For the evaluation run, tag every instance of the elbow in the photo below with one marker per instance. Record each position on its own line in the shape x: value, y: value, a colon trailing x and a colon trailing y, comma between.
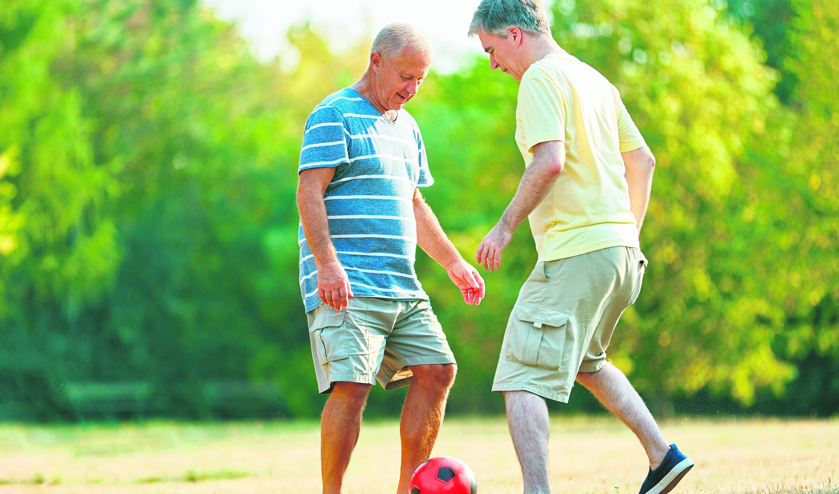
x: 651, y: 162
x: 555, y: 168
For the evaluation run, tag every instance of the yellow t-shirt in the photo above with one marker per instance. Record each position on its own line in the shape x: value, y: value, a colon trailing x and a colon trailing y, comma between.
x: 563, y: 99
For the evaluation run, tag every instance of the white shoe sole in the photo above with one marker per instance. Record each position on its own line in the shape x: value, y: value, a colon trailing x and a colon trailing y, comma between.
x: 672, y: 478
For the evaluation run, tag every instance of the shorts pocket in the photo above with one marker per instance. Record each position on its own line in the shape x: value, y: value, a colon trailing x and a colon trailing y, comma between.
x: 330, y: 335
x: 537, y: 337
x: 639, y: 280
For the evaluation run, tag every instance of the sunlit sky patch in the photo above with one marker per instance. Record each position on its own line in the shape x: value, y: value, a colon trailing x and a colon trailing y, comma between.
x: 264, y: 24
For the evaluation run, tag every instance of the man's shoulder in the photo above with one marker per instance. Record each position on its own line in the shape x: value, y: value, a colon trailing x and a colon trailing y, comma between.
x: 566, y: 72
x: 346, y: 100
x: 550, y: 69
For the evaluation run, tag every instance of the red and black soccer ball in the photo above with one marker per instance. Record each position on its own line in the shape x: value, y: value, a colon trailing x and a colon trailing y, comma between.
x: 443, y: 475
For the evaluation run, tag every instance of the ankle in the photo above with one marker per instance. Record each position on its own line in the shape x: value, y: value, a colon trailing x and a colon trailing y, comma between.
x: 657, y: 455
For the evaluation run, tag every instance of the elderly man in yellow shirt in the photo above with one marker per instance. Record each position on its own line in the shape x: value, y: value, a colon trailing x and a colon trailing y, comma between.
x: 585, y: 190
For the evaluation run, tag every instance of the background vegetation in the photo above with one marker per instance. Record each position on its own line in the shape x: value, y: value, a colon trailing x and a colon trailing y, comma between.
x: 148, y: 222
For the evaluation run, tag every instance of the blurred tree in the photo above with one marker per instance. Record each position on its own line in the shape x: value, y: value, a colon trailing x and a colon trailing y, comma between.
x: 806, y: 173
x: 771, y: 21
x: 148, y: 224
x: 697, y: 89
x: 58, y: 246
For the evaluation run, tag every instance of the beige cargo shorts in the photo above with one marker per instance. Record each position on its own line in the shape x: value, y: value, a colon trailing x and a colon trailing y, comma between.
x: 375, y: 339
x: 564, y: 318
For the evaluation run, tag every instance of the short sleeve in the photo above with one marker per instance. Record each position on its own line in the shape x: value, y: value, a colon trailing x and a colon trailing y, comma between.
x: 542, y: 107
x: 425, y: 178
x: 630, y: 137
x: 324, y: 140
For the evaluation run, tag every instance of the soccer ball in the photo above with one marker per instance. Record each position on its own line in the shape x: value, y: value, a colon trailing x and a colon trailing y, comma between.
x: 443, y: 475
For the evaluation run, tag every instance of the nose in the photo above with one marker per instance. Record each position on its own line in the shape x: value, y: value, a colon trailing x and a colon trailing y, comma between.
x: 413, y: 87
x: 493, y: 62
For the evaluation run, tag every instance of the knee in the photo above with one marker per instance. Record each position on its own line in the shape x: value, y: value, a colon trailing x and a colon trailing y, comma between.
x: 352, y: 396
x: 438, y: 376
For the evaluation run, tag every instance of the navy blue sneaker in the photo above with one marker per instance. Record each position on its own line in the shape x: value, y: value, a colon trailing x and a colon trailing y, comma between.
x: 664, y: 478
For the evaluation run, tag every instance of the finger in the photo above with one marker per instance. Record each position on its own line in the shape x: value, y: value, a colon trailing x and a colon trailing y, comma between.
x: 478, y: 291
x: 327, y: 299
x: 478, y: 252
x: 336, y: 299
x: 342, y: 293
x: 470, y: 278
x: 483, y: 254
x: 497, y: 259
x: 349, y: 288
x: 321, y: 295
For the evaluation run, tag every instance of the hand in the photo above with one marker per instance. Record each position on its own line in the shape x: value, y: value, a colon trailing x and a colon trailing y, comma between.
x: 468, y: 280
x: 334, y: 285
x: 489, y: 252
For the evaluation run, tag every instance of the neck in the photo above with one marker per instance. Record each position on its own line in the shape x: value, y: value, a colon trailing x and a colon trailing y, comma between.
x: 539, y: 47
x: 367, y: 90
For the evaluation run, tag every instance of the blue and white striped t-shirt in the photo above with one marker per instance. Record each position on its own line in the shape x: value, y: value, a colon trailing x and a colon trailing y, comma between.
x: 369, y: 203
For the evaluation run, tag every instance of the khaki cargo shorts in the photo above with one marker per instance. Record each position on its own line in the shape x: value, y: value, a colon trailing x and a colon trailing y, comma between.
x: 375, y: 339
x: 564, y: 318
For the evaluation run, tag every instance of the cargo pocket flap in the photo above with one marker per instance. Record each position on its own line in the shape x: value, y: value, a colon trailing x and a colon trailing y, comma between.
x: 537, y: 338
x: 328, y: 319
x: 329, y: 338
x: 540, y: 316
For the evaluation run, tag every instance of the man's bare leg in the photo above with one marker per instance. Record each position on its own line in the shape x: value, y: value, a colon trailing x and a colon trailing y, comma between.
x: 614, y: 391
x: 339, y: 429
x: 422, y: 416
x: 527, y: 417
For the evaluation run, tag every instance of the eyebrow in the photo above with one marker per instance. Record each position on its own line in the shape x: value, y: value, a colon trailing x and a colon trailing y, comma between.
x: 487, y: 48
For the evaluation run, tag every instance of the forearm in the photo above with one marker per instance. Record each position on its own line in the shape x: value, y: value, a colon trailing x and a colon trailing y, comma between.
x: 640, y: 166
x: 431, y: 237
x: 537, y: 181
x: 316, y: 226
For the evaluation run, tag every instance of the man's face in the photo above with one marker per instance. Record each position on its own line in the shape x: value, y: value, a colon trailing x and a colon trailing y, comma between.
x: 398, y: 78
x: 503, y: 52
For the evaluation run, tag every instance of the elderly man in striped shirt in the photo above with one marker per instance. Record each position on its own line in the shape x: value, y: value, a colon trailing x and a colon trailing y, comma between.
x: 362, y: 215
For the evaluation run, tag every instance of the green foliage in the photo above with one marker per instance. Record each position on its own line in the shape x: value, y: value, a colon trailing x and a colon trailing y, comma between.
x: 148, y: 224
x: 696, y: 87
x: 55, y: 243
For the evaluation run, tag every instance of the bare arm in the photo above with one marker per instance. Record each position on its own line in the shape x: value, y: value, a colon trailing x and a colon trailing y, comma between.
x: 433, y: 240
x: 640, y: 165
x: 333, y: 283
x: 548, y: 162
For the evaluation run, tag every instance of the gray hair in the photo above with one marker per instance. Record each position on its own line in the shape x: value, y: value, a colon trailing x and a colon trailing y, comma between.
x: 394, y: 38
x: 497, y: 16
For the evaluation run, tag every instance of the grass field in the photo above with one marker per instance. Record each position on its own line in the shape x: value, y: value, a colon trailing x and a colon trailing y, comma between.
x: 589, y: 455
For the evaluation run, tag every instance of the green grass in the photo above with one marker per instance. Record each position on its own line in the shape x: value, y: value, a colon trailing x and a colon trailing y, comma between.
x: 191, y: 476
x: 588, y: 455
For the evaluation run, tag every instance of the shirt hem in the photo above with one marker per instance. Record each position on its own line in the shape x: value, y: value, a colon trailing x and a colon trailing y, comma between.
x: 578, y: 251
x: 531, y: 143
x: 632, y: 146
x: 424, y: 296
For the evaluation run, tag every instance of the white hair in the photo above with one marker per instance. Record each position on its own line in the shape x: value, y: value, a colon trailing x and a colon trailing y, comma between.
x: 394, y: 38
x: 495, y: 17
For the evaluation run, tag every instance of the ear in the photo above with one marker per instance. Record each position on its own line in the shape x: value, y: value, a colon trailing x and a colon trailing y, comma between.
x: 375, y: 61
x: 515, y: 35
